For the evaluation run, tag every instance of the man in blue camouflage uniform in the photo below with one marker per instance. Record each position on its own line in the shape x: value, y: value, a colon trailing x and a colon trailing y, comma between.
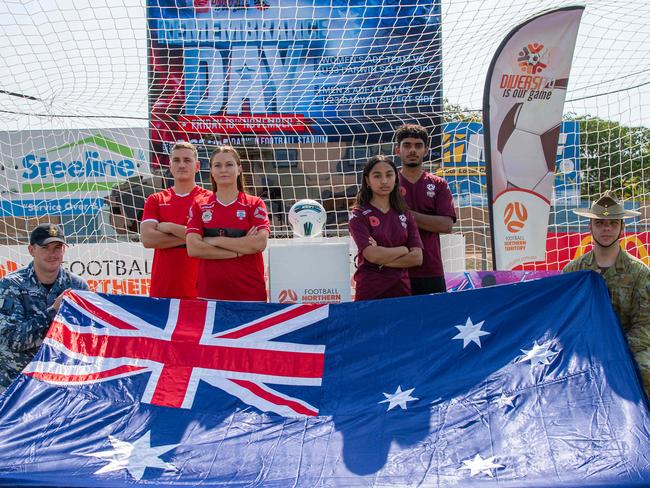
x: 30, y: 298
x: 627, y: 278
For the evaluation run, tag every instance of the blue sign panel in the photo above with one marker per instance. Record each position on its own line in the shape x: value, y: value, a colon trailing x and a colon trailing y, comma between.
x: 463, y: 164
x: 292, y: 70
x: 59, y: 206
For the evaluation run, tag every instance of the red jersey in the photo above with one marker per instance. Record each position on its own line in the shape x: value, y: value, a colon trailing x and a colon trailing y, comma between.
x: 241, y: 278
x: 173, y: 273
x: 429, y: 195
x: 389, y: 229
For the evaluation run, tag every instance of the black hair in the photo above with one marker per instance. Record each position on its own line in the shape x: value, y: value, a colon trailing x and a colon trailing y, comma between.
x: 414, y: 131
x: 364, y: 195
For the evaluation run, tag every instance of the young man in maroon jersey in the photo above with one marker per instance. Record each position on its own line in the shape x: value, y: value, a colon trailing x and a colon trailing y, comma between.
x: 430, y: 202
x: 174, y: 273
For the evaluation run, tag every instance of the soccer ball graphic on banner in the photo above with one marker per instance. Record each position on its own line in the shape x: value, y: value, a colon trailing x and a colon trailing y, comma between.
x: 527, y: 140
x: 307, y: 218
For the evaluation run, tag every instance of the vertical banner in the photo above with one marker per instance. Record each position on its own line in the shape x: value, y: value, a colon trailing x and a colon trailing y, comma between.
x: 523, y: 102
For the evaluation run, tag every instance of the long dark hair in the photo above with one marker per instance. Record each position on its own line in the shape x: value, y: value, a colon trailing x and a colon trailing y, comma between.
x: 364, y: 195
x: 240, y: 177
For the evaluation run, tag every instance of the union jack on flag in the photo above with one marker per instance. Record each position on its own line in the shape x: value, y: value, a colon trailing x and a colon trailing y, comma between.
x: 97, y: 340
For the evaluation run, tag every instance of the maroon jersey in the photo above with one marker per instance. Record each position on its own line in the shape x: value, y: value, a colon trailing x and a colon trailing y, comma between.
x: 429, y: 195
x: 390, y: 229
x: 239, y: 278
x: 173, y: 272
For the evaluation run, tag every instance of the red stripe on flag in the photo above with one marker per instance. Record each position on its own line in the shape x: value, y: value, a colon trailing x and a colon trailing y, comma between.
x: 80, y: 378
x: 193, y: 355
x: 190, y: 321
x: 181, y: 353
x: 278, y: 400
x: 270, y: 322
x: 174, y: 380
x: 172, y: 387
x: 99, y: 313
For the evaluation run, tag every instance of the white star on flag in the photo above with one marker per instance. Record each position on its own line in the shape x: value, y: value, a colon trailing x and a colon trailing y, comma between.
x: 504, y: 401
x: 470, y: 332
x: 539, y: 354
x: 479, y: 465
x: 399, y: 398
x: 134, y: 457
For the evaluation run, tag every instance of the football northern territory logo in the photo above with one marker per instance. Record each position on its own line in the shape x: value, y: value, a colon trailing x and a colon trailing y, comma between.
x: 288, y: 296
x: 515, y: 216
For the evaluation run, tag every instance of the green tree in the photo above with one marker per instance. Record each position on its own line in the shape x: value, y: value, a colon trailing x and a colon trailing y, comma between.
x: 613, y: 156
x: 456, y: 113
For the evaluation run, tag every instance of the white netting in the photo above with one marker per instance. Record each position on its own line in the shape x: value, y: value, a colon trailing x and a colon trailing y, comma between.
x: 607, y: 115
x: 75, y: 86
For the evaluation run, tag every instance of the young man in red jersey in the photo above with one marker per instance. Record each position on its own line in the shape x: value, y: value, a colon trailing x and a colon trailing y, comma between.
x: 430, y: 202
x: 174, y: 273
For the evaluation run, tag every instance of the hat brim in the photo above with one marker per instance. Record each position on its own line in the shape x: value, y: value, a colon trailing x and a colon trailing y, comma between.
x: 590, y: 215
x: 49, y: 240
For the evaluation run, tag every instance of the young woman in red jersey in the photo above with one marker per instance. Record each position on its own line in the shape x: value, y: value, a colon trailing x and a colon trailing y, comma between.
x: 229, y: 233
x: 385, y: 233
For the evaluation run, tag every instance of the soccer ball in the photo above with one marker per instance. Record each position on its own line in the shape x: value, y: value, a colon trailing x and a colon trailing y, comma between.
x: 528, y: 147
x: 307, y: 218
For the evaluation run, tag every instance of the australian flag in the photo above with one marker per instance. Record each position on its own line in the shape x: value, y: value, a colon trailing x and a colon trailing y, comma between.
x: 530, y: 384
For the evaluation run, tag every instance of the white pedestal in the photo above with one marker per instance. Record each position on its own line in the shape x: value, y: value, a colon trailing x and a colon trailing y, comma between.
x: 310, y: 270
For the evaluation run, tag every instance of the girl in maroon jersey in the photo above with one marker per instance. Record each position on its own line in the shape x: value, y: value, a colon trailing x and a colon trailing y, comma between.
x: 385, y: 233
x: 229, y: 233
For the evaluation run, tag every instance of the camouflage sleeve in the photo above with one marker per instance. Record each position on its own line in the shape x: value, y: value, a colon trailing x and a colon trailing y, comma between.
x: 571, y: 266
x: 639, y: 334
x: 20, y: 329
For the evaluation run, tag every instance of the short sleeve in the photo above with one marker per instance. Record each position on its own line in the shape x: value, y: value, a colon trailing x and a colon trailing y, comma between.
x: 414, y: 239
x: 359, y: 230
x: 151, y: 209
x: 194, y: 223
x: 444, y: 201
x: 260, y: 216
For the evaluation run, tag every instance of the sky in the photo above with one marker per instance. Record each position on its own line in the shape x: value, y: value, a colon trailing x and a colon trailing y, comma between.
x: 610, y: 75
x: 84, y: 61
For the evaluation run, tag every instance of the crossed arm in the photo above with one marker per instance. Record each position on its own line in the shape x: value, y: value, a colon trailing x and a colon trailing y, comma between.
x: 161, y: 235
x: 222, y: 247
x: 392, y: 257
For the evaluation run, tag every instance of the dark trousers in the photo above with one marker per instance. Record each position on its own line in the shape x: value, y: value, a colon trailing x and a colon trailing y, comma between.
x: 425, y: 286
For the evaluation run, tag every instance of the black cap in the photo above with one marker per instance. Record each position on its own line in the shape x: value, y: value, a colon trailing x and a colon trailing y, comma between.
x: 43, y: 234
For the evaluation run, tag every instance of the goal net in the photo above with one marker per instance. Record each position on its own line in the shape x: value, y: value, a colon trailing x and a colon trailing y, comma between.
x: 94, y: 93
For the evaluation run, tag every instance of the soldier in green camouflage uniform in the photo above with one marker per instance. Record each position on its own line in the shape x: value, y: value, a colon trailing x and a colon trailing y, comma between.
x: 29, y: 300
x: 627, y: 278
